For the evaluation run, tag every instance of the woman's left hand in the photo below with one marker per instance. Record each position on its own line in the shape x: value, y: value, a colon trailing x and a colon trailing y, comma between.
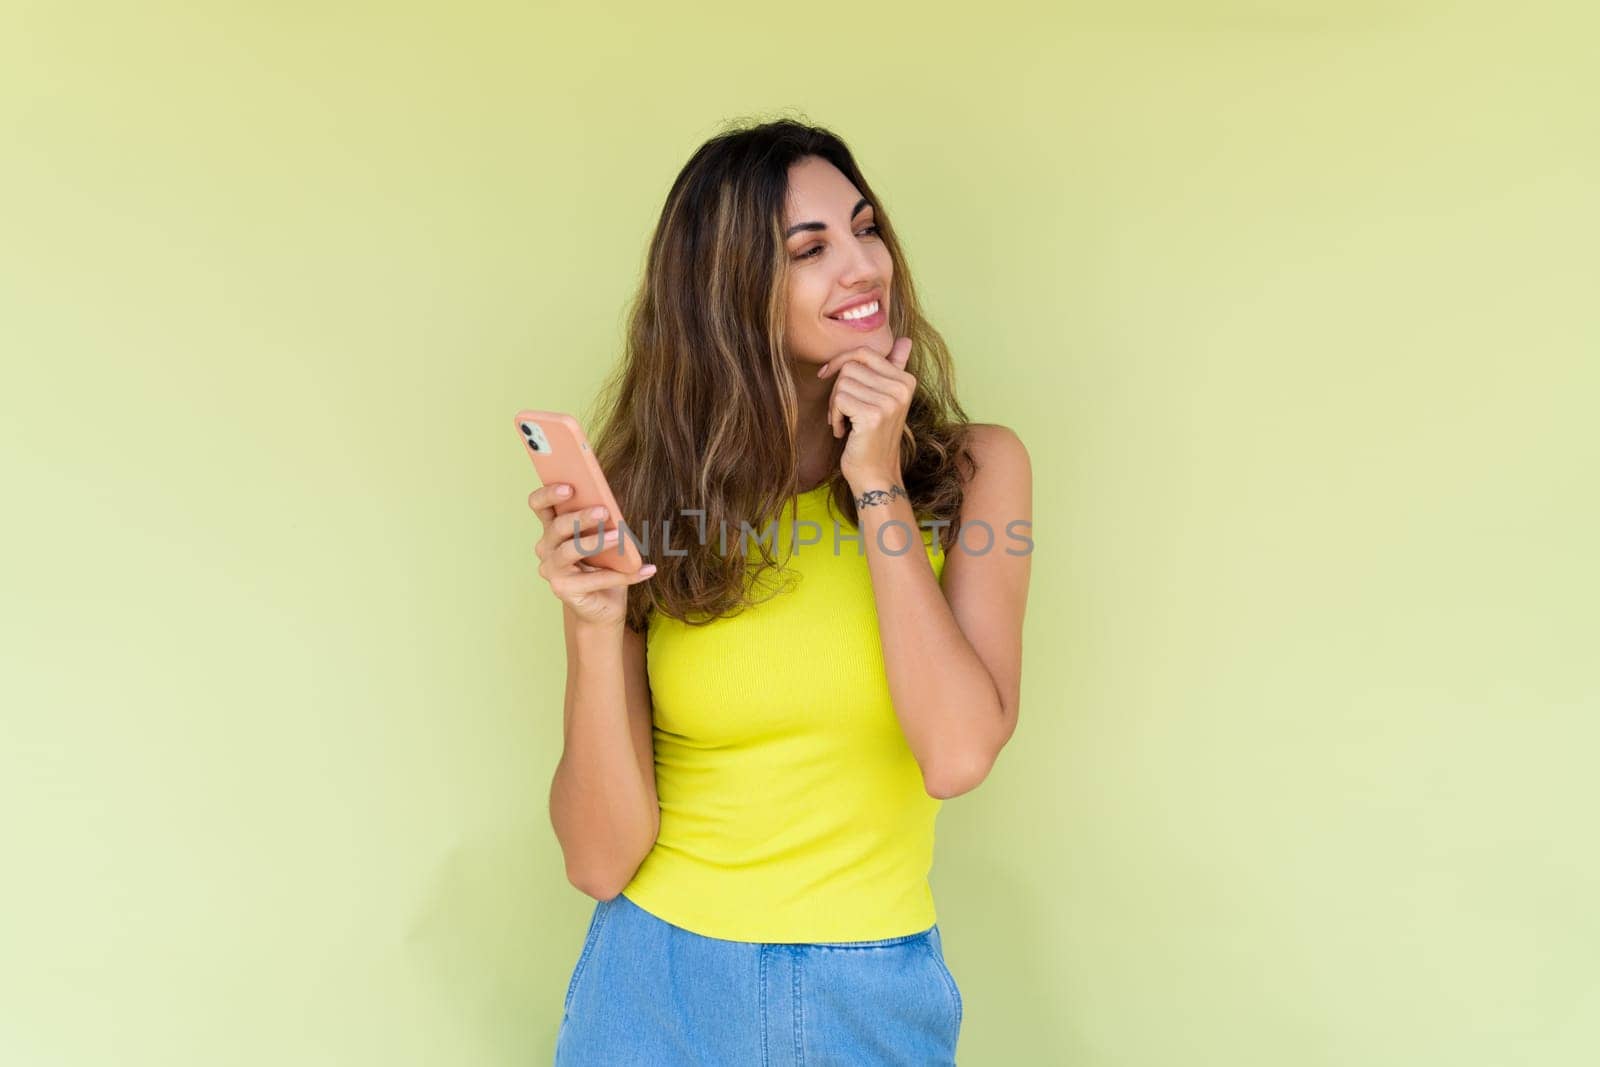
x: 871, y: 395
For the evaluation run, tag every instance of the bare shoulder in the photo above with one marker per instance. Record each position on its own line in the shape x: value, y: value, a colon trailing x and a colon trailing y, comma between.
x: 1004, y: 469
x: 997, y: 497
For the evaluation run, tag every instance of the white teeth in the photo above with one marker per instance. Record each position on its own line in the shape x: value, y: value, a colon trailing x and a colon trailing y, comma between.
x: 859, y: 312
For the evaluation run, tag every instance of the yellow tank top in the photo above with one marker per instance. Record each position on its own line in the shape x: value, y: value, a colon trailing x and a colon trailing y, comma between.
x: 792, y: 809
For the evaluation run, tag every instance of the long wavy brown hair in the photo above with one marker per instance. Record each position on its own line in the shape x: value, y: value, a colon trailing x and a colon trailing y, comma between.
x: 701, y: 413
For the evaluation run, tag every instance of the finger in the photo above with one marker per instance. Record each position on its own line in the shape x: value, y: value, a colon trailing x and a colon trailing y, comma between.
x: 865, y: 397
x: 878, y: 379
x: 900, y: 354
x: 568, y: 524
x: 863, y: 355
x: 571, y: 553
x: 589, y: 547
x: 836, y: 421
x: 853, y: 367
x: 862, y: 401
x: 582, y: 547
x: 845, y: 405
x: 851, y: 403
x: 544, y: 499
x: 868, y: 364
x: 600, y: 578
x: 886, y: 374
x: 562, y: 527
x: 855, y: 355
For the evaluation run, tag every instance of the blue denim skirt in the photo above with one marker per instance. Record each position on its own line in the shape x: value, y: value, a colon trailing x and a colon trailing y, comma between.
x: 646, y: 993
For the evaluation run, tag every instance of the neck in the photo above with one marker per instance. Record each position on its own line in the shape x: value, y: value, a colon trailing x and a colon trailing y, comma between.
x: 819, y: 450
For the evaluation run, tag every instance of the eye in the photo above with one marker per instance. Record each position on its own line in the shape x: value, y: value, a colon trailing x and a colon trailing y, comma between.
x: 810, y: 253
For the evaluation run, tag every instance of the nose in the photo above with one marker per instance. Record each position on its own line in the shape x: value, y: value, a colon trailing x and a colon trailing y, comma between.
x: 859, y: 267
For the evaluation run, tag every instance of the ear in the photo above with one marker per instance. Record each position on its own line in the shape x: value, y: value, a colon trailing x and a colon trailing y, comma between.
x: 900, y: 354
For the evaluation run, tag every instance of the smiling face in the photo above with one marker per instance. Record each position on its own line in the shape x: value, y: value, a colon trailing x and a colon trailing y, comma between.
x: 838, y: 267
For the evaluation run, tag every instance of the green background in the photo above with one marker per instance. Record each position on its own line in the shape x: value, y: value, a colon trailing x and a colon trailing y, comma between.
x: 1292, y: 304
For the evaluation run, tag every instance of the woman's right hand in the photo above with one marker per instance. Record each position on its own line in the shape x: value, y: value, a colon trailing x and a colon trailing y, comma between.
x: 597, y: 596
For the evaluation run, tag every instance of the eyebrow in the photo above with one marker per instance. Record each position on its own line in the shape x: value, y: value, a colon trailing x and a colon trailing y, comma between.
x: 797, y: 227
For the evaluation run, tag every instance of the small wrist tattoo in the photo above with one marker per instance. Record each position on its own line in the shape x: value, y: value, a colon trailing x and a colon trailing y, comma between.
x: 879, y: 496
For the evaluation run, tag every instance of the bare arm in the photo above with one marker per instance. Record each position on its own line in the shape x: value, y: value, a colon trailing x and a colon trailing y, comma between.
x: 603, y: 795
x: 952, y: 646
x: 953, y: 649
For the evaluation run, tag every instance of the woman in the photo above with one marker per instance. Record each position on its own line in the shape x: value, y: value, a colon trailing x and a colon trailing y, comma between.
x: 759, y: 735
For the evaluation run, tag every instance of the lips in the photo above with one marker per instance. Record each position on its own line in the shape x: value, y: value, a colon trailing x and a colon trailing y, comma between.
x: 865, y: 298
x: 866, y: 323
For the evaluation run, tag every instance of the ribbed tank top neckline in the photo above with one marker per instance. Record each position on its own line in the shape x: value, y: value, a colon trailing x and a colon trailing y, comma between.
x: 809, y: 501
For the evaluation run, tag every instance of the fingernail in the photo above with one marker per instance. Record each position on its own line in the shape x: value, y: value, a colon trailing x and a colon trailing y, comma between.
x: 598, y: 512
x: 563, y: 490
x: 648, y: 568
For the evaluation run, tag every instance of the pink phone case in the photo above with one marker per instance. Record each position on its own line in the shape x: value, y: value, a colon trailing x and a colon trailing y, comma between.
x: 561, y: 454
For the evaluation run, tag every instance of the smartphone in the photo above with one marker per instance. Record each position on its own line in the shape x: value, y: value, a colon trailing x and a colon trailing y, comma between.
x: 561, y: 454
